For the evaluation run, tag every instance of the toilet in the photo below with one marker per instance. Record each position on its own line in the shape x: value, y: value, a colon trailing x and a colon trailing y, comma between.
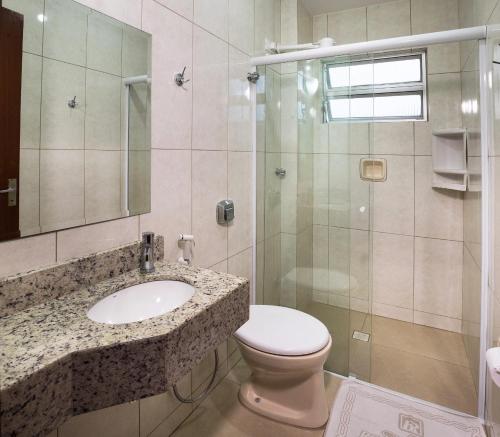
x: 285, y: 350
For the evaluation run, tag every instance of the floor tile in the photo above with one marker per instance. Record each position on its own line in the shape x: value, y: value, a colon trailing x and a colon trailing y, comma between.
x: 422, y: 340
x: 425, y: 378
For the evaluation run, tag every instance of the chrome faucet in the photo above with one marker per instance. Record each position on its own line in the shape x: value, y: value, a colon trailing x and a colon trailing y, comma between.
x: 148, y: 252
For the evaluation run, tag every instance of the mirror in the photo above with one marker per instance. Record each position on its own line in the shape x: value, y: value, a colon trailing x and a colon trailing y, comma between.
x: 85, y: 119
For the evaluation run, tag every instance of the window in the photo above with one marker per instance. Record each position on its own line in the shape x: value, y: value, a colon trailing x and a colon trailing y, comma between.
x: 380, y: 88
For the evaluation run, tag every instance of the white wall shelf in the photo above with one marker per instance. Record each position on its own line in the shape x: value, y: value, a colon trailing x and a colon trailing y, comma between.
x: 449, y: 159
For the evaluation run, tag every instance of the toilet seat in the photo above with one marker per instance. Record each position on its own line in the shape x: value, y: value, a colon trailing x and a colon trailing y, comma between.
x: 283, y: 331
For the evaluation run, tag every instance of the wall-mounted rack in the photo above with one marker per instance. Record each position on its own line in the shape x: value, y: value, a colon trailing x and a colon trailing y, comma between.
x: 449, y: 159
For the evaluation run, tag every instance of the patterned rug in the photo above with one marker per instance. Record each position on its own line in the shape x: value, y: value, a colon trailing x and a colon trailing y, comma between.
x: 362, y: 410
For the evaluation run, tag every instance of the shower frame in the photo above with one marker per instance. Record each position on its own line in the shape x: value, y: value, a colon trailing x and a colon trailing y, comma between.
x: 482, y: 34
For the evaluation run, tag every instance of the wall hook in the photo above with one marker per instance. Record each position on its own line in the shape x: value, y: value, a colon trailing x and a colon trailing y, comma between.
x: 179, y: 78
x: 253, y: 77
x: 72, y: 103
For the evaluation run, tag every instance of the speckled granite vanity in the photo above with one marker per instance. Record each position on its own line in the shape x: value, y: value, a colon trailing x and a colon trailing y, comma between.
x: 55, y: 362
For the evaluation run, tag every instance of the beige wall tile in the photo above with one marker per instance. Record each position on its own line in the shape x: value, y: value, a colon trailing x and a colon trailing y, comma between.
x: 438, y: 213
x: 272, y: 270
x: 220, y: 267
x: 304, y: 24
x: 289, y: 193
x: 128, y: 11
x: 437, y: 321
x: 431, y: 16
x: 135, y: 52
x: 288, y: 111
x: 359, y: 264
x: 119, y: 421
x: 393, y: 270
x: 288, y: 289
x: 78, y: 242
x: 168, y: 426
x: 33, y: 28
x: 172, y: 49
x: 392, y: 138
x: 443, y: 58
x: 61, y: 191
x: 29, y: 192
x: 393, y: 209
x: 182, y: 7
x: 104, y: 57
x: 321, y: 258
x: 102, y: 185
x: 155, y: 409
x: 240, y: 108
x: 241, y: 264
x: 65, y: 31
x: 388, y: 20
x: 320, y: 188
x: 241, y: 25
x: 320, y: 27
x: 209, y: 187
x: 347, y: 26
x: 240, y: 191
x: 438, y: 277
x: 31, y: 96
x: 210, y: 93
x: 103, y: 116
x: 267, y: 23
x: 392, y: 312
x: 273, y: 194
x: 339, y: 278
x: 349, y: 196
x: 212, y: 15
x: 62, y: 127
x: 170, y: 199
x: 27, y: 254
x: 259, y: 286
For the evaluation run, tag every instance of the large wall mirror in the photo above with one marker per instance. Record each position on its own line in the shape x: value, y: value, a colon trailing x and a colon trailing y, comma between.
x: 84, y: 133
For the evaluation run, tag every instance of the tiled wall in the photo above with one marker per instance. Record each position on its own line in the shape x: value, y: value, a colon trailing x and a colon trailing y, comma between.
x: 63, y: 57
x: 201, y: 154
x: 417, y: 245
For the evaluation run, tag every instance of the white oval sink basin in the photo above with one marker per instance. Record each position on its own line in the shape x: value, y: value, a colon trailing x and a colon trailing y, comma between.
x: 141, y: 302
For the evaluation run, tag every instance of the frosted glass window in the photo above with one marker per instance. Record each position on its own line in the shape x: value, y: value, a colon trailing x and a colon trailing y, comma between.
x: 376, y: 107
x: 386, y: 86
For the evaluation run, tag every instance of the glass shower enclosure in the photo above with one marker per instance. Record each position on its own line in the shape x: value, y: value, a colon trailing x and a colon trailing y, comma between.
x: 356, y: 224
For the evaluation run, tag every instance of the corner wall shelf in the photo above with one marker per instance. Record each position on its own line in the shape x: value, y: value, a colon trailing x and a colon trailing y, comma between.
x: 449, y: 159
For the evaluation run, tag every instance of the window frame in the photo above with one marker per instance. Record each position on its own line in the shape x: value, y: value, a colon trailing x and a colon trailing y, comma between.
x: 390, y: 89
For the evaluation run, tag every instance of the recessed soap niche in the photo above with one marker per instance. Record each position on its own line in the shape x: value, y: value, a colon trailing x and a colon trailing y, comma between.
x: 449, y: 159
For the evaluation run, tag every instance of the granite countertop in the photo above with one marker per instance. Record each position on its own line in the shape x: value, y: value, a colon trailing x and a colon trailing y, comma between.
x: 96, y: 361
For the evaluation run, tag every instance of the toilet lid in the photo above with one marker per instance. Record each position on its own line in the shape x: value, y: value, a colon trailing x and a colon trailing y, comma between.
x: 283, y: 331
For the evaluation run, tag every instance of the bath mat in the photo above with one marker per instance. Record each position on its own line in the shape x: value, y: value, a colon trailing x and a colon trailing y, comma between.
x: 361, y: 410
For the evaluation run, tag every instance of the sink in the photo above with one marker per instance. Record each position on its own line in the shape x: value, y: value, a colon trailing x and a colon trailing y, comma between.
x: 141, y: 302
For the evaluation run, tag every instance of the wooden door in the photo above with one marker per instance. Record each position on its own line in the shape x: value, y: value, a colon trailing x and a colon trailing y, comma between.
x: 11, y: 54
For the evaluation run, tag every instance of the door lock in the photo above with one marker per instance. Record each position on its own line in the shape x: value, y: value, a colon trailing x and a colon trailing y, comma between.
x: 11, y: 191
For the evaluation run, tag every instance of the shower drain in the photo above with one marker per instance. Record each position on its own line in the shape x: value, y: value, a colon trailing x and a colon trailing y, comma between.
x: 361, y: 336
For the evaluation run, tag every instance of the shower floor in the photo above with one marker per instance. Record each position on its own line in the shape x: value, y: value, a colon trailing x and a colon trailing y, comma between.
x: 420, y: 361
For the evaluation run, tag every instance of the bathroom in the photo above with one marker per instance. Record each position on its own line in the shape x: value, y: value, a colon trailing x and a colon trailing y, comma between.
x: 219, y: 127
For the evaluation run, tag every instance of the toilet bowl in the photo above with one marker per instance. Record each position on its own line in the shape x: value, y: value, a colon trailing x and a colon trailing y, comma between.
x: 285, y: 350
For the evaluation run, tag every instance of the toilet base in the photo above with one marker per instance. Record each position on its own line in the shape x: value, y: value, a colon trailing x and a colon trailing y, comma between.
x: 290, y: 390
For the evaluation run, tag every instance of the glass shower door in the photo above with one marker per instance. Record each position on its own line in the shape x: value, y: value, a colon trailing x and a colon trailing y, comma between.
x: 313, y: 210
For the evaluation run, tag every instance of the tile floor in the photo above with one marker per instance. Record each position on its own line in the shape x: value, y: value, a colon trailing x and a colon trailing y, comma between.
x: 420, y: 361
x: 222, y: 415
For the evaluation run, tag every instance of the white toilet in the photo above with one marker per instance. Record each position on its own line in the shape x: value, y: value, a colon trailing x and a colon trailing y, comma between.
x: 285, y: 350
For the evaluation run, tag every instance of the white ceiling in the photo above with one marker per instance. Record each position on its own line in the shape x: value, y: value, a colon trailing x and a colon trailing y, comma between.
x: 316, y: 7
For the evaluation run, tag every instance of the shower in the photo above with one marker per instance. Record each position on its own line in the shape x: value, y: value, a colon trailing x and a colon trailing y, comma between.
x: 371, y: 197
